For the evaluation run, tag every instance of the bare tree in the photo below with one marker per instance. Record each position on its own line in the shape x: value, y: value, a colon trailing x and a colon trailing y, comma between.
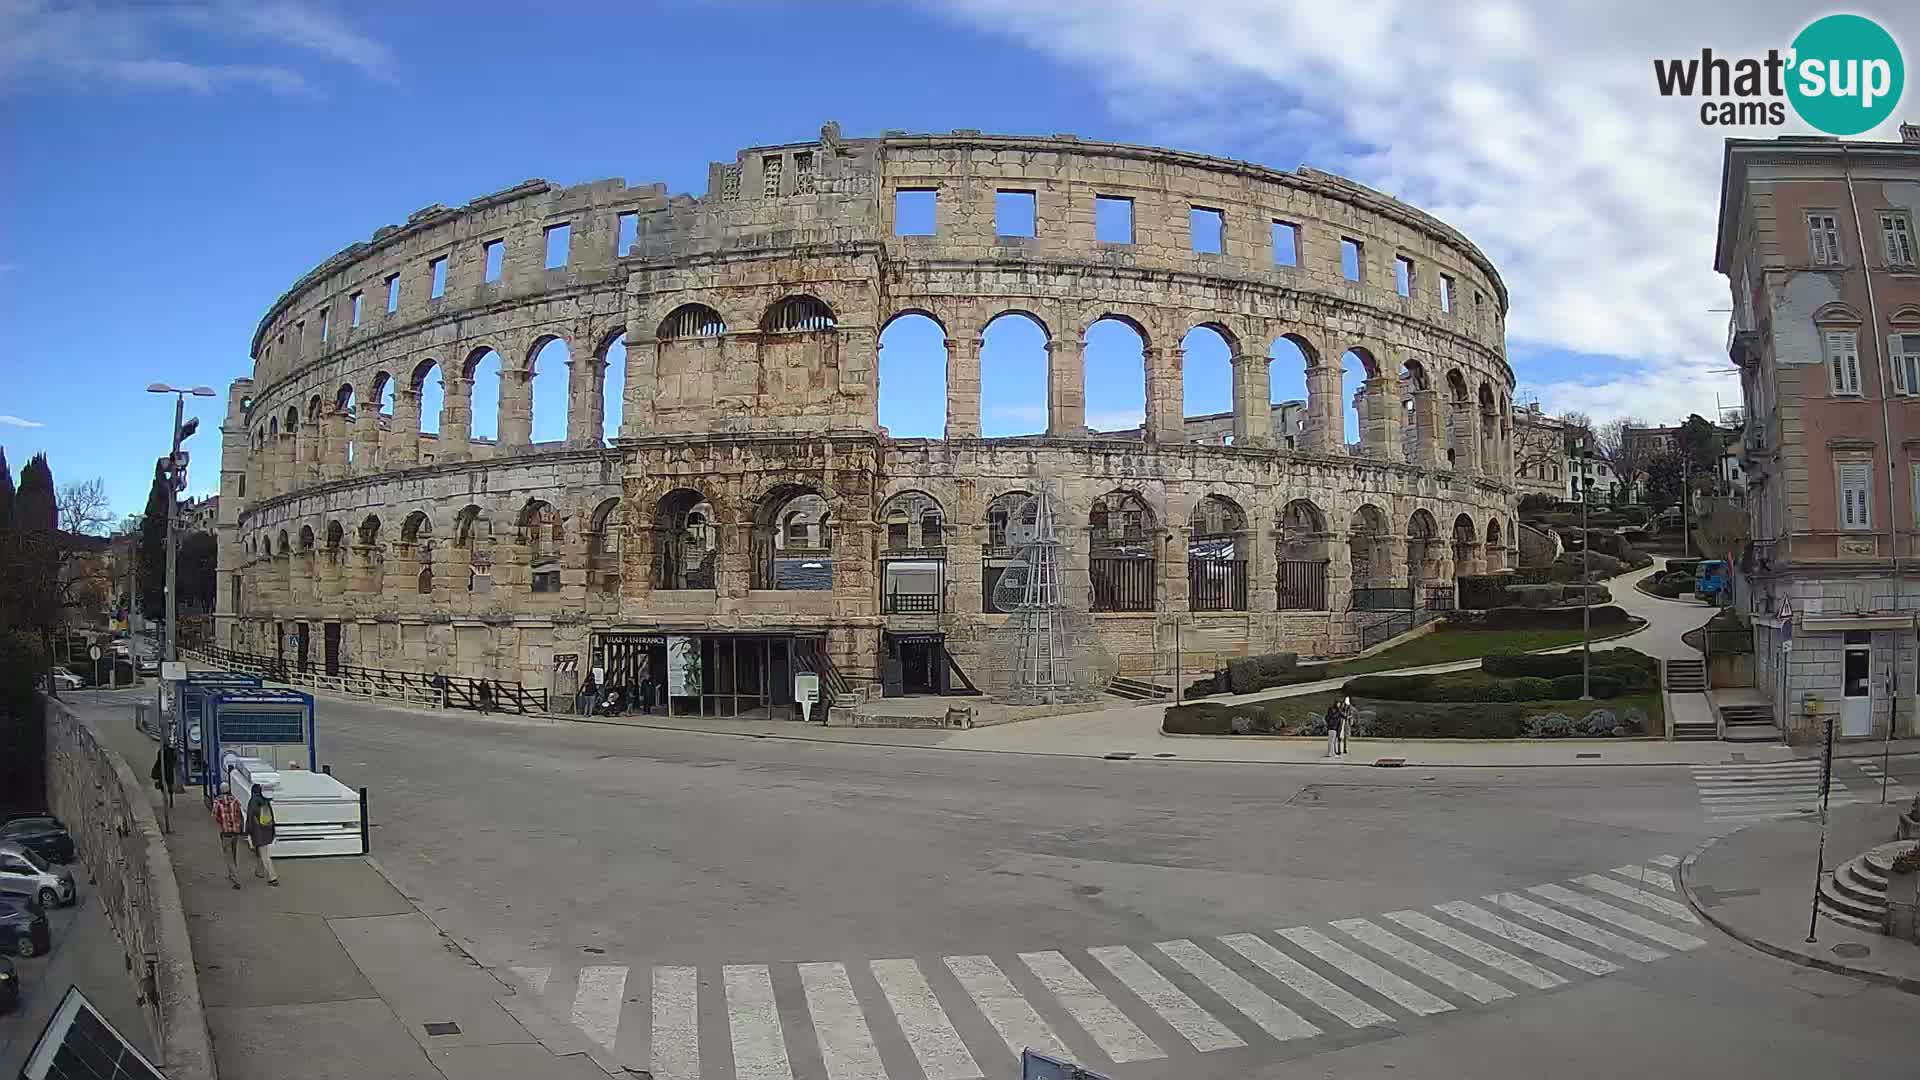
x: 1578, y: 427
x: 1627, y: 456
x: 84, y: 508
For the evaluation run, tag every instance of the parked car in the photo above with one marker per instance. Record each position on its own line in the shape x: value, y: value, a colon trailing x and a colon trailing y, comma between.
x: 21, y: 869
x: 23, y: 927
x: 9, y: 986
x: 149, y: 664
x: 63, y: 680
x: 43, y: 833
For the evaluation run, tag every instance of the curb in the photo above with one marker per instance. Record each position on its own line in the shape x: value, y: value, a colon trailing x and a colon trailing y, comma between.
x: 1898, y: 982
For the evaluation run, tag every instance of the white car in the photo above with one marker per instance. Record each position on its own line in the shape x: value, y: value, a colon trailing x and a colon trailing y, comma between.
x: 27, y: 874
x: 64, y: 680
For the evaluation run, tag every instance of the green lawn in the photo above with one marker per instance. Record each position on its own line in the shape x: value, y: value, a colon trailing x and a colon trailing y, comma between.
x: 1290, y: 714
x: 1446, y: 646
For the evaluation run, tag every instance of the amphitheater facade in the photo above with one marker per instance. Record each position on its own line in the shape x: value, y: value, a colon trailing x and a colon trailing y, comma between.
x: 750, y: 500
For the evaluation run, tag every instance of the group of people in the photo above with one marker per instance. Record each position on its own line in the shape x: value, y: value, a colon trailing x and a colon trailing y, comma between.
x: 1339, y: 723
x: 615, y: 698
x: 254, y: 824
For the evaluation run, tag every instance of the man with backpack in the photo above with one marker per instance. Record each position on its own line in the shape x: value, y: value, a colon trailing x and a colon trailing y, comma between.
x: 232, y: 823
x: 260, y: 834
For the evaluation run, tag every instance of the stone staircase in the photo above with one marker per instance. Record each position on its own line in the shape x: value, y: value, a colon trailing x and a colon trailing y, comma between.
x: 1856, y: 892
x: 1749, y: 723
x: 1686, y: 676
x: 1137, y: 689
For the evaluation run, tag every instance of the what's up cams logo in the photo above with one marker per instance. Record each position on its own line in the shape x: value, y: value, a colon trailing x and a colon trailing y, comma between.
x: 1842, y: 74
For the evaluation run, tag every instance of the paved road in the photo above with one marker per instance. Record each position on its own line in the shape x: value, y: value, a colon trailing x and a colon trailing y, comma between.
x: 719, y: 907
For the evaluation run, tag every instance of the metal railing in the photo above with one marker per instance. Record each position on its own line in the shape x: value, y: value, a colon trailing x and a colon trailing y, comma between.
x: 1216, y: 584
x: 899, y: 603
x: 1303, y: 585
x: 1122, y: 584
x: 1377, y: 599
x: 445, y: 691
x: 1437, y: 598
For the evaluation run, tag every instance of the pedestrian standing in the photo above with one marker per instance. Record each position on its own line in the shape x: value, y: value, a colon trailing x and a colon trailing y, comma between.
x: 589, y: 696
x: 646, y: 693
x: 260, y: 834
x: 231, y: 821
x: 485, y: 695
x: 1346, y: 723
x: 1333, y: 730
x: 440, y: 688
x: 163, y: 768
x: 631, y: 699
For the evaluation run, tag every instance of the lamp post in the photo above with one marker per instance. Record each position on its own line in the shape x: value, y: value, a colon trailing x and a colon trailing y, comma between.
x: 1586, y: 592
x: 175, y: 481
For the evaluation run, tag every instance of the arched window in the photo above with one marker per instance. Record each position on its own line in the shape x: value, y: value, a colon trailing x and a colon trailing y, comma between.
x: 426, y: 581
x: 682, y: 535
x: 1217, y: 556
x: 691, y: 321
x: 793, y: 541
x: 1303, y: 540
x: 913, y: 571
x: 1123, y: 538
x: 1372, y: 561
x: 603, y: 548
x: 797, y: 314
x: 540, y: 533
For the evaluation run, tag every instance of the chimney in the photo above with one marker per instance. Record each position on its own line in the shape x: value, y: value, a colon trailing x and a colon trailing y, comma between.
x: 1910, y: 133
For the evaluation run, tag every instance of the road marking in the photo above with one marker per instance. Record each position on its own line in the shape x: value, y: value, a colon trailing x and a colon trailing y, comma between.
x: 942, y: 1054
x: 1019, y: 1026
x: 846, y: 1046
x: 1439, y: 969
x: 1274, y: 1018
x: 1194, y: 1023
x: 535, y: 978
x: 1668, y: 861
x: 596, y: 1004
x: 1559, y: 920
x: 1122, y: 1040
x: 759, y: 1047
x: 1362, y: 970
x: 1625, y: 920
x: 1467, y: 945
x: 1526, y: 938
x: 1647, y: 876
x: 676, y: 1023
x: 1672, y: 909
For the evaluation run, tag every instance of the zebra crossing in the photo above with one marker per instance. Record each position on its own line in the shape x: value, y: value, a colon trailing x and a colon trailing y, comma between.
x: 967, y: 1017
x: 1743, y: 793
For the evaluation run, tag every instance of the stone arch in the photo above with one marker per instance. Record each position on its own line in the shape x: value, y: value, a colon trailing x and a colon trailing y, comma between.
x: 1466, y: 545
x: 685, y: 540
x: 369, y: 531
x: 306, y: 540
x: 378, y: 399
x: 800, y: 313
x: 611, y: 371
x: 1112, y: 380
x: 1370, y: 552
x: 1015, y: 362
x: 284, y: 548
x: 606, y: 535
x: 1207, y: 377
x: 913, y: 565
x: 1424, y: 554
x: 1123, y: 548
x: 336, y: 540
x: 484, y: 375
x: 1290, y: 357
x: 549, y: 395
x: 912, y: 521
x: 923, y: 311
x: 417, y: 528
x: 1496, y: 548
x: 1217, y: 545
x: 1304, y: 540
x: 691, y: 321
x: 913, y: 371
x: 792, y: 537
x: 540, y: 529
x: 428, y: 383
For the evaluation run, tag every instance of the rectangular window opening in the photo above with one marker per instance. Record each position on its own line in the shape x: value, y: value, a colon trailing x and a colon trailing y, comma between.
x: 393, y: 293
x: 1013, y: 213
x: 1856, y: 494
x: 629, y: 232
x: 1905, y: 351
x: 1823, y: 239
x: 439, y: 287
x: 1446, y: 293
x: 1113, y: 219
x: 1207, y: 228
x: 496, y: 253
x: 353, y: 303
x: 914, y: 211
x: 1403, y: 275
x: 1350, y: 253
x: 300, y: 335
x: 1286, y: 244
x: 325, y: 326
x: 1843, y: 362
x: 559, y: 241
x: 1896, y: 234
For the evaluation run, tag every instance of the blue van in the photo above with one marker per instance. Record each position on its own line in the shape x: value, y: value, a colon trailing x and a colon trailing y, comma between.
x: 1710, y: 579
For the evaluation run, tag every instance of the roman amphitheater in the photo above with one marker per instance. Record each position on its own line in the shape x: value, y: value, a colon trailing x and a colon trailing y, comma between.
x: 749, y: 499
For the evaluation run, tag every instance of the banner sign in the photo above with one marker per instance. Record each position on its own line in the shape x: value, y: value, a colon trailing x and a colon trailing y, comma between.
x: 683, y: 666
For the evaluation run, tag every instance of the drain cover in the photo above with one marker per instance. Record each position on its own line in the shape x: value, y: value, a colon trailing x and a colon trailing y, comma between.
x: 1389, y: 762
x: 1586, y: 755
x: 1163, y: 753
x: 1849, y: 950
x: 1119, y: 755
x: 443, y: 1027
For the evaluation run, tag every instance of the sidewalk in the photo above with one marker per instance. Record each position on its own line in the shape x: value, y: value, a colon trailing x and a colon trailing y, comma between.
x: 335, y: 969
x: 1757, y: 885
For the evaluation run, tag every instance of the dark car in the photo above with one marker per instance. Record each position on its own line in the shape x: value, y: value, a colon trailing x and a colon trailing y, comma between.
x: 9, y: 986
x: 23, y: 927
x: 42, y: 834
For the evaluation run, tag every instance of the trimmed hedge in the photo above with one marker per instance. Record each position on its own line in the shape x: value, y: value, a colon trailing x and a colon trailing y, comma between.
x: 1567, y: 687
x: 1560, y: 618
x: 1632, y: 669
x: 1414, y: 720
x: 1245, y: 674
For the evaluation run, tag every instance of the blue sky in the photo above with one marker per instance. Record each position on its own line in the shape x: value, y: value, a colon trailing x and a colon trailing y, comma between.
x: 171, y: 170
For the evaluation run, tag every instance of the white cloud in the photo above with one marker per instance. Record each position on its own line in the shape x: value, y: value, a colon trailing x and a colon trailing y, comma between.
x: 1026, y: 414
x: 168, y: 46
x: 1119, y: 420
x: 15, y: 421
x: 1539, y: 134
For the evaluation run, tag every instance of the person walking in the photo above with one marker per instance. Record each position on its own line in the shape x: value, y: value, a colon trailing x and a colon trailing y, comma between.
x: 163, y: 768
x: 231, y: 821
x: 260, y: 833
x: 646, y: 693
x: 1334, y: 724
x: 485, y: 695
x: 1346, y: 722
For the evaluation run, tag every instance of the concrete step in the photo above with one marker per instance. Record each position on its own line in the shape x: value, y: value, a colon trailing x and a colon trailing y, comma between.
x: 1747, y: 714
x: 1834, y: 901
x: 1880, y: 859
x: 1854, y: 921
x: 1137, y: 689
x: 1683, y: 732
x: 1752, y: 733
x: 1849, y: 882
x: 1686, y: 676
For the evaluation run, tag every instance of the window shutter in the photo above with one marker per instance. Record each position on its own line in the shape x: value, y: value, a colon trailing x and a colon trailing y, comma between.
x: 1915, y: 493
x: 1817, y: 240
x: 1899, y: 361
x: 1856, y: 493
x: 1853, y: 373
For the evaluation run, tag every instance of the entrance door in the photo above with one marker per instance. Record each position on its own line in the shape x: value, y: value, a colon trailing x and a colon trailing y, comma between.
x: 1856, y: 709
x: 300, y: 639
x: 332, y: 647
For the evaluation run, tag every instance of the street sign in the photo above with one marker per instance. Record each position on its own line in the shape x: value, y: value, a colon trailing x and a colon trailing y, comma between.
x: 173, y: 671
x: 806, y: 691
x: 1786, y: 646
x: 94, y: 653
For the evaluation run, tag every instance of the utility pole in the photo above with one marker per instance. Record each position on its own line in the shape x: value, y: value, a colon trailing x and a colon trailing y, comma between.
x: 176, y: 480
x: 1586, y: 588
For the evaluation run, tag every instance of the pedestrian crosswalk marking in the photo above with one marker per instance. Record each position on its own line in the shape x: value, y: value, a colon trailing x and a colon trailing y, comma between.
x: 1547, y: 916
x: 1181, y: 1013
x: 596, y: 1004
x: 1625, y: 920
x: 534, y: 977
x: 1467, y: 945
x: 1482, y: 919
x: 1646, y: 876
x: 1439, y: 969
x: 759, y: 1045
x: 676, y: 1023
x: 1364, y: 971
x: 1672, y: 909
x: 1274, y: 1018
x: 1120, y: 1037
x: 1130, y: 1002
x: 846, y: 1046
x: 1019, y: 1026
x: 1761, y: 791
x: 930, y: 1035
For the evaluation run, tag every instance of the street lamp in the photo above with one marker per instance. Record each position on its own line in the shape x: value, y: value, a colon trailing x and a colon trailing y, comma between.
x: 1586, y: 588
x: 176, y: 480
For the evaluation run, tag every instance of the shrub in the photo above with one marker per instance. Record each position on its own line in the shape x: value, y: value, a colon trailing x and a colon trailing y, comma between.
x: 1600, y: 722
x: 1446, y: 722
x: 1246, y: 674
x: 1559, y: 618
x: 1536, y: 596
x: 1567, y: 687
x: 1205, y: 718
x: 1535, y: 502
x: 1215, y: 683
